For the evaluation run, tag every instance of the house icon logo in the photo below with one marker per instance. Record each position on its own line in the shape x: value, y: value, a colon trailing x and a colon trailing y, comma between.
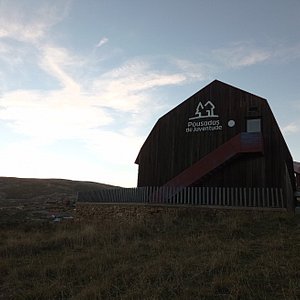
x: 205, y: 111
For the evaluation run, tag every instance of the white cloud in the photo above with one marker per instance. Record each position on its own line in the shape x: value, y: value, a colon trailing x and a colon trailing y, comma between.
x: 102, y: 42
x: 241, y: 55
x: 54, y: 60
x: 20, y: 22
x: 4, y: 48
x: 101, y: 114
x: 50, y: 116
x: 13, y: 56
x: 74, y: 112
x: 128, y: 87
x: 195, y: 71
x: 21, y: 32
x: 283, y: 53
x: 291, y: 128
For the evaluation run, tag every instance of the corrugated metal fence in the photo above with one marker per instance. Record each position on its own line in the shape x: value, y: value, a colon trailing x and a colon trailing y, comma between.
x: 206, y: 196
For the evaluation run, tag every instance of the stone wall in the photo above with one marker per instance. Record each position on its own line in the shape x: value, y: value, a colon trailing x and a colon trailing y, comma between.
x: 104, y: 211
x: 138, y: 211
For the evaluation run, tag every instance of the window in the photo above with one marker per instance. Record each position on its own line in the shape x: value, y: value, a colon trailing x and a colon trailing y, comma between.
x: 254, y: 125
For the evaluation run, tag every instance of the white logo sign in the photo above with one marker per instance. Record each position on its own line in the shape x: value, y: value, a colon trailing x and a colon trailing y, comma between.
x: 207, y: 112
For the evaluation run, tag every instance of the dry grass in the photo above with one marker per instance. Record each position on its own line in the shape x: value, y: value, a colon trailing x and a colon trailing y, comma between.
x: 27, y: 188
x: 207, y: 255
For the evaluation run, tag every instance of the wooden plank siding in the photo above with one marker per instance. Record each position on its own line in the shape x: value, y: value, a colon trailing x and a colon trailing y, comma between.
x: 243, y: 143
x: 169, y: 149
x: 298, y: 181
x: 297, y: 174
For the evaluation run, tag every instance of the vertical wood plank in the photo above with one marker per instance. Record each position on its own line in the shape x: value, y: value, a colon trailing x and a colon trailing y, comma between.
x: 272, y: 197
x: 281, y: 198
x: 263, y: 197
x: 236, y: 197
x: 245, y: 197
x: 276, y: 197
x: 223, y: 196
x: 220, y: 196
x: 207, y: 195
x: 200, y: 196
x: 216, y: 196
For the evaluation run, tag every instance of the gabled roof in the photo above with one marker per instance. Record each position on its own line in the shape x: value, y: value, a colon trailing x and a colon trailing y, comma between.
x: 297, y: 167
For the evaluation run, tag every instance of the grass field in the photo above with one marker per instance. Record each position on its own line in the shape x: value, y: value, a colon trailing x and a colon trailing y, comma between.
x: 191, y: 255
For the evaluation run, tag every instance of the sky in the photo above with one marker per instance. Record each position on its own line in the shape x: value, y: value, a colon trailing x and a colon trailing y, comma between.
x: 82, y: 83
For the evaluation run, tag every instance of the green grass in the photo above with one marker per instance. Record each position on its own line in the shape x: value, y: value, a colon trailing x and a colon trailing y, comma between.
x: 192, y: 255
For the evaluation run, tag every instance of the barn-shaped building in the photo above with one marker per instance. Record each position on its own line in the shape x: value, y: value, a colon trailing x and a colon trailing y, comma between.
x: 221, y: 136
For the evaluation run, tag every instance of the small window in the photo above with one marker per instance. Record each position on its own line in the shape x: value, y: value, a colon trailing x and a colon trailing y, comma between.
x: 254, y: 125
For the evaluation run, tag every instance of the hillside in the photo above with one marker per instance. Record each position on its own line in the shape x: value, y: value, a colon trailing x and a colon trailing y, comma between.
x: 23, y: 199
x: 26, y: 188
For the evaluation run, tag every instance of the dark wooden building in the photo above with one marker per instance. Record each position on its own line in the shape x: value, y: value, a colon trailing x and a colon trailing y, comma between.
x: 221, y: 136
x: 297, y: 173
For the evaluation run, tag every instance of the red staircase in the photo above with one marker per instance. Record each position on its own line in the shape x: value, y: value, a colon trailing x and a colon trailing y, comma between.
x: 245, y: 142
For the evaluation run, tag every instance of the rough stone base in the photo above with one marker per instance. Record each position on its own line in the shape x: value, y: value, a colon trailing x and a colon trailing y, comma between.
x: 121, y: 211
x: 138, y: 211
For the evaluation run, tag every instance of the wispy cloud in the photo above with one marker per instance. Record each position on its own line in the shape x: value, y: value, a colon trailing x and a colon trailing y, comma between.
x: 128, y: 87
x: 195, y: 71
x: 291, y: 128
x: 8, y: 55
x: 51, y: 116
x: 102, y: 42
x: 241, y: 55
x: 100, y: 112
x: 283, y: 53
x: 21, y: 32
x: 20, y: 22
x: 54, y: 60
x: 72, y: 110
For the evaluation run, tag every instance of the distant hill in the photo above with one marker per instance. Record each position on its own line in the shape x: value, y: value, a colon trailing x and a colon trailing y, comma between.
x: 26, y: 188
